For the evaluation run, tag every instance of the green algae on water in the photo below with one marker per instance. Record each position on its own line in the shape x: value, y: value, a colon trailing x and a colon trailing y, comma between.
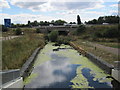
x: 30, y: 78
x: 44, y: 56
x: 80, y: 81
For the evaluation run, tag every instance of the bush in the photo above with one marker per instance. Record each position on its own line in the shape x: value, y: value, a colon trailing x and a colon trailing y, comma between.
x: 53, y: 36
x: 80, y: 29
x: 18, y: 31
x: 111, y: 33
x: 98, y: 34
x: 63, y: 40
x: 38, y: 30
x: 4, y: 29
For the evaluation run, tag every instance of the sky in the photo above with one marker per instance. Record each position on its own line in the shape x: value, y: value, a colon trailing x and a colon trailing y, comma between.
x: 20, y: 11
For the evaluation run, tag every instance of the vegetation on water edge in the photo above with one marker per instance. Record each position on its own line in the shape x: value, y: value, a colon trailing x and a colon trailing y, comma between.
x: 16, y: 51
x: 58, y: 39
x: 53, y: 36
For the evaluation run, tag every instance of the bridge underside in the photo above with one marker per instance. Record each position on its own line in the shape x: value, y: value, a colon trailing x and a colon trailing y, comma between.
x: 60, y: 32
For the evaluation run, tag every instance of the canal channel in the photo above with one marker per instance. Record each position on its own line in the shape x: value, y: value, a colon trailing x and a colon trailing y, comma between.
x: 65, y: 68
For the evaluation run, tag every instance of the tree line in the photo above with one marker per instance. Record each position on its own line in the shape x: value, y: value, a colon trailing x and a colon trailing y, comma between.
x: 41, y: 23
x: 100, y: 20
x: 105, y: 19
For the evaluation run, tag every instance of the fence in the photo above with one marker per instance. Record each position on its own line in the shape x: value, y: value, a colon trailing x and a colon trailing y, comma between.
x: 9, y: 75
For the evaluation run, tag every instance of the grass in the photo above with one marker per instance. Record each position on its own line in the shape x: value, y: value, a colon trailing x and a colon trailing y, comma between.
x: 104, y: 55
x: 11, y: 31
x: 110, y: 44
x: 16, y: 51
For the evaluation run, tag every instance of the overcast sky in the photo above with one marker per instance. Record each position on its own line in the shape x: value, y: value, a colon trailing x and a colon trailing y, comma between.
x: 20, y: 11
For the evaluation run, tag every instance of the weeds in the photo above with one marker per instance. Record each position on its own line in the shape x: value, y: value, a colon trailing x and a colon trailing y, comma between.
x: 16, y: 51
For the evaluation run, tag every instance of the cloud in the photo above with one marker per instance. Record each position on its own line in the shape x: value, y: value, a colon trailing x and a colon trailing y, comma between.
x: 4, y: 4
x: 52, y: 5
x: 114, y: 5
x: 23, y: 18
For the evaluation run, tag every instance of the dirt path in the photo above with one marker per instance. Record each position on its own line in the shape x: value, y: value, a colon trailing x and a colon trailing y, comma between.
x: 106, y: 48
x: 8, y: 37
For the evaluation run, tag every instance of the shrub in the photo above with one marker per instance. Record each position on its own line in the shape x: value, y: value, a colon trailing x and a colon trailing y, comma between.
x: 63, y: 40
x: 111, y: 33
x: 4, y: 29
x: 97, y: 34
x: 18, y: 31
x: 80, y: 29
x: 53, y: 36
x: 38, y: 30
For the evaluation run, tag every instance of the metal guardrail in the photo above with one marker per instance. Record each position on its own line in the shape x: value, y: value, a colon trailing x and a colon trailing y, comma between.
x: 9, y: 75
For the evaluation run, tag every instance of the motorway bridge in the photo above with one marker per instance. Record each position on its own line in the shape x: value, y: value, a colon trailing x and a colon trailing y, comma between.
x: 58, y: 28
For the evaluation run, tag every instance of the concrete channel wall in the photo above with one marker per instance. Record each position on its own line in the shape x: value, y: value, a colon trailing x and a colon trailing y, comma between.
x: 14, y: 78
x: 26, y: 68
x: 102, y: 64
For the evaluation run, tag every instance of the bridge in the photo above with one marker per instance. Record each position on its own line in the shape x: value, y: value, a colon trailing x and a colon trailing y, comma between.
x: 58, y: 28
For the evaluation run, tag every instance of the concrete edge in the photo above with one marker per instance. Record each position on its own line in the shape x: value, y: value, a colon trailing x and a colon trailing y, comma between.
x: 101, y: 63
x: 24, y: 71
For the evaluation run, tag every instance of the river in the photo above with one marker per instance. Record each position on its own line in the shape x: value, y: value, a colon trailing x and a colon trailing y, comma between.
x: 65, y: 68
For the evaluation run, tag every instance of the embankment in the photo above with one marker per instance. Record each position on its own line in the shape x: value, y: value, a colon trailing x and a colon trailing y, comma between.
x: 102, y: 64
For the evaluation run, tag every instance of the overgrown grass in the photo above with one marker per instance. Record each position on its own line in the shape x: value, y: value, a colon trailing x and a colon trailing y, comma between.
x: 16, y: 51
x: 104, y: 55
x: 11, y: 31
x: 110, y: 44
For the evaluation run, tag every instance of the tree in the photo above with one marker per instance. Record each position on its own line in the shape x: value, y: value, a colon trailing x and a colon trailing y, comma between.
x: 53, y: 36
x: 28, y: 23
x: 80, y: 29
x: 52, y: 21
x: 105, y: 19
x: 78, y: 20
x: 72, y: 22
x: 35, y: 23
x: 59, y: 22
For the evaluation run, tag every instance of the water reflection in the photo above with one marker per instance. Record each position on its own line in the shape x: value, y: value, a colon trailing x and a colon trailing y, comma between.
x: 55, y: 73
x: 58, y: 72
x: 92, y: 83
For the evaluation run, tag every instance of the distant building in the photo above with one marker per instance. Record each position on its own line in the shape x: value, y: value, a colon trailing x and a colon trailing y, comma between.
x: 50, y: 25
x: 105, y: 23
x: 67, y: 24
x: 7, y: 22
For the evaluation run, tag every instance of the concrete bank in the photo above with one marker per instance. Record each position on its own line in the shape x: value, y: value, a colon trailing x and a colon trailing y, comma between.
x: 26, y: 68
x: 102, y: 64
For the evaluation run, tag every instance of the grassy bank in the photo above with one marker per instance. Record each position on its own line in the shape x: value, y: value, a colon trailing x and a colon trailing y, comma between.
x: 100, y: 33
x: 11, y: 31
x: 102, y: 54
x: 16, y: 51
x: 110, y: 44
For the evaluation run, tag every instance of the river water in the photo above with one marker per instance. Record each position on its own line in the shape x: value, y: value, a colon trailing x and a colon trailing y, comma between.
x: 65, y: 68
